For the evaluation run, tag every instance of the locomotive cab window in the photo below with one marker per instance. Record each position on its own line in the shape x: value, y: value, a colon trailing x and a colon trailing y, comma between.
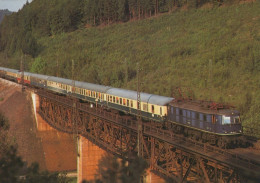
x: 225, y: 120
x: 237, y: 120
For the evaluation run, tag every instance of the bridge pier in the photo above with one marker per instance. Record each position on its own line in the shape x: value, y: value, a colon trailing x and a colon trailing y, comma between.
x: 40, y: 122
x: 59, y: 148
x: 89, y: 155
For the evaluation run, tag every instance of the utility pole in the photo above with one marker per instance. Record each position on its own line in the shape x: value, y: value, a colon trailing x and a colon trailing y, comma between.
x: 74, y: 108
x: 139, y: 118
x: 209, y: 85
x: 58, y: 68
x: 126, y: 72
x: 22, y: 73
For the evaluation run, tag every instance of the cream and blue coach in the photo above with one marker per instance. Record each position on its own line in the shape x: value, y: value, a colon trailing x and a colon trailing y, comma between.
x: 152, y: 106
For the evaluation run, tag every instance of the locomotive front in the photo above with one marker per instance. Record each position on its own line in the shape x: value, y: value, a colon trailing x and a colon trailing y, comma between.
x: 230, y: 122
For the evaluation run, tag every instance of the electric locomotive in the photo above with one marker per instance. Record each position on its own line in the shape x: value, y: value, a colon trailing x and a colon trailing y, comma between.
x: 206, y: 121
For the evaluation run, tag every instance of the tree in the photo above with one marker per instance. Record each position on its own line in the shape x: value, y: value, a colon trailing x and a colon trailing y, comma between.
x: 112, y: 169
x: 10, y: 163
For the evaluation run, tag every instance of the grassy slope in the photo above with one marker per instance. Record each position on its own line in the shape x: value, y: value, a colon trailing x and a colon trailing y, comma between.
x: 215, y: 52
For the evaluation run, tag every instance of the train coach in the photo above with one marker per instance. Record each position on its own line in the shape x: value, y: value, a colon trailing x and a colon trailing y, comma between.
x: 152, y: 107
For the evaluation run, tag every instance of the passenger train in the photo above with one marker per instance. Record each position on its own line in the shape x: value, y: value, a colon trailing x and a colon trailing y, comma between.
x: 194, y: 119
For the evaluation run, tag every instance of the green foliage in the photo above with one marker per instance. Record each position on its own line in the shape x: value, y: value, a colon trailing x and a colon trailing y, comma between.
x: 33, y: 175
x: 38, y: 66
x: 10, y: 165
x: 4, y: 124
x: 111, y: 169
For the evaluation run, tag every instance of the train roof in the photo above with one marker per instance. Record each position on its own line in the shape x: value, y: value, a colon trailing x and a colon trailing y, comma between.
x: 40, y: 76
x: 80, y: 84
x: 10, y: 70
x: 60, y: 80
x: 205, y: 107
x: 145, y: 97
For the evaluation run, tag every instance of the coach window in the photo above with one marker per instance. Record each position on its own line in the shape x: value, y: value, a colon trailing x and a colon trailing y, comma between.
x: 152, y: 108
x: 132, y: 105
x: 138, y: 105
x: 145, y: 107
x: 114, y: 99
x: 127, y: 102
x: 120, y: 101
x: 161, y: 110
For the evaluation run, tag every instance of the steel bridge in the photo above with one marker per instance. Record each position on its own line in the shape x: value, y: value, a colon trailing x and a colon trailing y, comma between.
x: 172, y: 156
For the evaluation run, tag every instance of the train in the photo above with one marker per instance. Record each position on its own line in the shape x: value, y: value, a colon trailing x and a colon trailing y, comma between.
x: 198, y: 120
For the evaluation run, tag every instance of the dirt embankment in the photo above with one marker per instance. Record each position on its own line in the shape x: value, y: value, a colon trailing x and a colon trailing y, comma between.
x: 16, y: 106
x: 53, y: 150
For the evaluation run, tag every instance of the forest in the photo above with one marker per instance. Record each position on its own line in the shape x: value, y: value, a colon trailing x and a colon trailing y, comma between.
x: 208, y: 47
x: 3, y: 13
x: 44, y: 18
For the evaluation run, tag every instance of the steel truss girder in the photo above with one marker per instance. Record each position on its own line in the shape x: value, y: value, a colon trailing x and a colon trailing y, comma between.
x: 181, y: 166
x: 165, y: 159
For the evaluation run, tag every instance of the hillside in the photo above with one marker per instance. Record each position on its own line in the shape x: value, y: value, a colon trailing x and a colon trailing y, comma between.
x: 3, y: 13
x: 213, y: 51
